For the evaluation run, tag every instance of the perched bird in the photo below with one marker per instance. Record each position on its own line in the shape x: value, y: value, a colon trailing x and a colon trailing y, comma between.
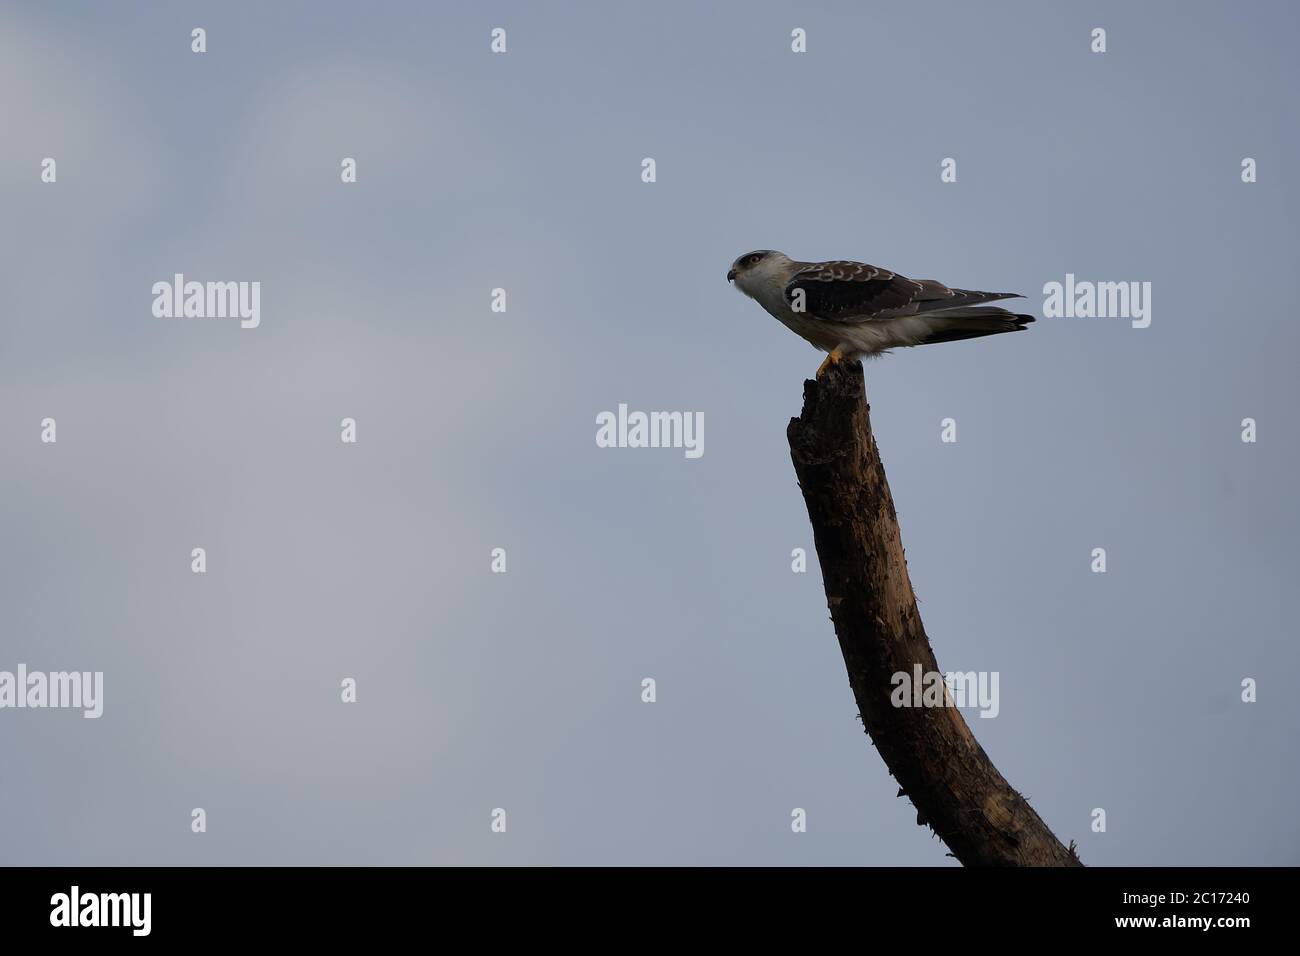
x: 850, y: 308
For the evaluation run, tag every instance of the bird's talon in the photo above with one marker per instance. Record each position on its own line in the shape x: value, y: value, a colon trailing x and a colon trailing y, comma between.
x: 834, y: 357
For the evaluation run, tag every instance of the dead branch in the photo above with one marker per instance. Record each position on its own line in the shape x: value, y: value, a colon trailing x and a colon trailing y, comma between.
x: 930, y: 750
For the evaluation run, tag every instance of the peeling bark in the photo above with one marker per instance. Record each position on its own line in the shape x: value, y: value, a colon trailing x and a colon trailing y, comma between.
x: 931, y: 751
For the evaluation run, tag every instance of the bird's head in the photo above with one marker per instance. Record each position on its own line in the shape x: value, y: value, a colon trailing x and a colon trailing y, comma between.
x: 752, y: 268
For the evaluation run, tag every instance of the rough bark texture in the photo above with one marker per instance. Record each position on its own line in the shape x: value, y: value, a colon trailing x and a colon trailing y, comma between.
x: 929, y: 750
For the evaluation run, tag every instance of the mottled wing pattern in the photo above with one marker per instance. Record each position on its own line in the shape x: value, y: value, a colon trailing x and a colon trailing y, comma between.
x: 844, y: 291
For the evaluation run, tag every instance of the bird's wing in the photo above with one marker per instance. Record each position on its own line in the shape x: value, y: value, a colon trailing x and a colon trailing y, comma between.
x: 853, y: 292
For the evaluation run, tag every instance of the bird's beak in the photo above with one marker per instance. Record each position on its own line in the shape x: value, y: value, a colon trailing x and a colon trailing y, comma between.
x: 731, y: 275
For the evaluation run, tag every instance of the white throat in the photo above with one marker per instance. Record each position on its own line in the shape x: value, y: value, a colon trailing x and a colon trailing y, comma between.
x: 766, y: 281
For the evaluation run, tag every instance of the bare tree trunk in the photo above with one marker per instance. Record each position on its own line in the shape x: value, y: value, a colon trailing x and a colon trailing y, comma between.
x: 929, y: 750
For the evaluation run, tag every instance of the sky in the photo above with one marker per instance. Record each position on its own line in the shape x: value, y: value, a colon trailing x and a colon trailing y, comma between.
x: 522, y: 691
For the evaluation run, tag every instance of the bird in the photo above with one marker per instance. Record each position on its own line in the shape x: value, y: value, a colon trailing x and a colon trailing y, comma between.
x: 851, y: 309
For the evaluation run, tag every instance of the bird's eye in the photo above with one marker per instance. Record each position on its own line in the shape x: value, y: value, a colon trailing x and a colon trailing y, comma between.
x: 752, y: 259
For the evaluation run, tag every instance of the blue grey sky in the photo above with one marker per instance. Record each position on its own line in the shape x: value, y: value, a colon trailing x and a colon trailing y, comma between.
x: 476, y: 429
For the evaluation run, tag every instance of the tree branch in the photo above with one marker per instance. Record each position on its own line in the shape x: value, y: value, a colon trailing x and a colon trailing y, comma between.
x: 929, y: 750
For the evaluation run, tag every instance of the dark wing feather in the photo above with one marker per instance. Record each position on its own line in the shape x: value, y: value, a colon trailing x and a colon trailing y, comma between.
x: 843, y: 291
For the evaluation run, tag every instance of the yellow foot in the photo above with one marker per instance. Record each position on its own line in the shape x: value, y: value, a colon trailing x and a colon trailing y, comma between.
x: 834, y: 358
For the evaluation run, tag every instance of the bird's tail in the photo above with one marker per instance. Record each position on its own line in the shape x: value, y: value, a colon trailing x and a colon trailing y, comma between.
x: 952, y: 325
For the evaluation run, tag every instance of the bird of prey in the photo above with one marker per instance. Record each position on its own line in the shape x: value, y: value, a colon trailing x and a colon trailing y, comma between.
x: 850, y: 308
